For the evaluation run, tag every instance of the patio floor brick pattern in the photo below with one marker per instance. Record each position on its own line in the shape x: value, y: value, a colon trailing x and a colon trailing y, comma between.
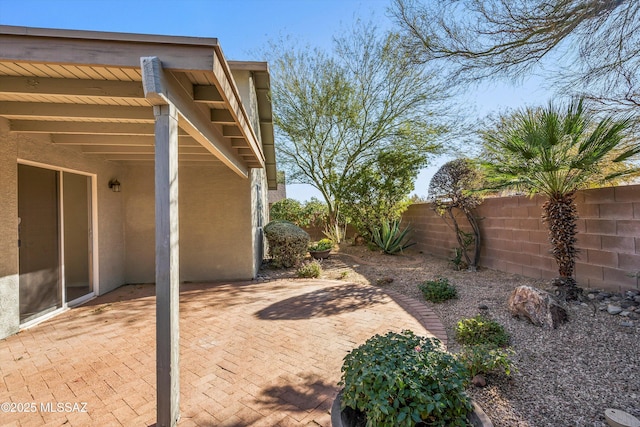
x: 251, y: 353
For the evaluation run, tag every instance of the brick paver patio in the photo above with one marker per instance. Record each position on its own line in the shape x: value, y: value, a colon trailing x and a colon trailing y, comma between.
x: 251, y: 354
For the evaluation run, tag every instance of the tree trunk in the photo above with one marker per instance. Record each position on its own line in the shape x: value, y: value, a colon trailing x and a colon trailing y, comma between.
x: 477, y: 239
x: 460, y: 239
x: 560, y: 214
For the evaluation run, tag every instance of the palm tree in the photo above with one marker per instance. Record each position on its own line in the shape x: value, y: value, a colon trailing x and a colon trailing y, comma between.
x: 555, y: 152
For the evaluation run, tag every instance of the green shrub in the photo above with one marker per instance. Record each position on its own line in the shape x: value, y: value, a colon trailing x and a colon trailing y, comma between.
x: 287, y: 210
x: 483, y: 359
x: 480, y: 330
x: 390, y: 238
x: 438, y: 290
x: 401, y: 379
x: 310, y: 270
x: 321, y: 245
x: 287, y: 243
x: 312, y: 213
x: 456, y: 261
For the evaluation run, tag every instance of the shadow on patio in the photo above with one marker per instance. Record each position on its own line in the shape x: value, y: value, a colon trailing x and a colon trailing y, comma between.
x: 328, y: 301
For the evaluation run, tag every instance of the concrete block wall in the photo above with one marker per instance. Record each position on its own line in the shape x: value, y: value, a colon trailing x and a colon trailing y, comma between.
x: 515, y: 239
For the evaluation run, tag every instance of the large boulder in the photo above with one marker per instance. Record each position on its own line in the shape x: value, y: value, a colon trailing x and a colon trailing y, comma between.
x: 537, y: 306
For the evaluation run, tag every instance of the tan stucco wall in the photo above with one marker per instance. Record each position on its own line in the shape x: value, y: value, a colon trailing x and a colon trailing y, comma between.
x: 216, y: 240
x: 9, y: 307
x: 110, y: 207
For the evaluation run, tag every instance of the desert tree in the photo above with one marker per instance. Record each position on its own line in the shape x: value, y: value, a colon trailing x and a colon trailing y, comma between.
x: 590, y: 48
x: 334, y: 112
x: 454, y: 188
x: 555, y: 151
x: 379, y: 191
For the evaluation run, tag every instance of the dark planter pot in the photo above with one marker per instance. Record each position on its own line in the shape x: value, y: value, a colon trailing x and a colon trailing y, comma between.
x: 320, y: 254
x: 348, y: 417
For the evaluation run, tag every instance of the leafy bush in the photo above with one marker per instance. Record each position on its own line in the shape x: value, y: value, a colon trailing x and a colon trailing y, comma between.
x: 311, y: 213
x: 438, y: 290
x: 310, y: 270
x: 483, y: 359
x: 401, y: 379
x: 390, y: 238
x: 315, y: 213
x: 480, y: 330
x: 287, y: 210
x: 287, y: 243
x: 321, y: 245
x: 456, y: 261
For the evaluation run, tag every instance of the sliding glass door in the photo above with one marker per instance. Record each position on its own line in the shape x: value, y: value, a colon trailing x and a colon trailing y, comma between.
x: 54, y: 210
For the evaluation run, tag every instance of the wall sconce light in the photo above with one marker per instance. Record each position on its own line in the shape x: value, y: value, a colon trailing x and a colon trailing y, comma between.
x: 114, y: 185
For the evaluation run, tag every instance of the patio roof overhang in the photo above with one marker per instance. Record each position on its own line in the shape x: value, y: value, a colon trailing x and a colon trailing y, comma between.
x: 84, y: 90
x: 132, y: 98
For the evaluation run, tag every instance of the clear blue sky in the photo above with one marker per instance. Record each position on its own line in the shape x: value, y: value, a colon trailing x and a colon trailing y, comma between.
x: 242, y: 27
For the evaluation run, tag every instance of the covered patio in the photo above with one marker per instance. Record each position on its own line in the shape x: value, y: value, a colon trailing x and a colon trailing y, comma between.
x: 251, y: 354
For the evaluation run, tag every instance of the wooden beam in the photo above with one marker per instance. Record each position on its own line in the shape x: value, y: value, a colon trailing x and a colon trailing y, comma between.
x: 120, y: 149
x: 222, y: 117
x: 238, y: 143
x: 245, y: 152
x: 167, y: 266
x: 116, y: 140
x: 70, y: 87
x: 208, y: 94
x: 36, y: 110
x: 103, y: 128
x: 232, y: 131
x: 149, y: 158
x: 161, y: 87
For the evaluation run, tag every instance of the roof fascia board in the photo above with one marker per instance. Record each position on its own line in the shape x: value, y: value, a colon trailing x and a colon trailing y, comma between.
x: 109, y: 36
x: 230, y: 91
x: 104, y: 49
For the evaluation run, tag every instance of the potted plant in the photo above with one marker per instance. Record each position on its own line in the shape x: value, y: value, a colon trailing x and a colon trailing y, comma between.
x: 320, y: 249
x: 403, y: 380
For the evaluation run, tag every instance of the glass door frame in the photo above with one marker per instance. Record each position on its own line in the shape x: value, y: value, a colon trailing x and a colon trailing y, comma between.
x: 93, y: 240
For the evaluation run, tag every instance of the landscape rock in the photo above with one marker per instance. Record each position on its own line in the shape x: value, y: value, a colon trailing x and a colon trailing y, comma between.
x: 537, y: 306
x: 614, y: 309
x: 479, y: 381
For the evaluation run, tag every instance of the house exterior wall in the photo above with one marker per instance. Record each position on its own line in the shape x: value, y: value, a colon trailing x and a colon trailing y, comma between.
x: 9, y: 304
x: 109, y: 212
x: 216, y: 242
x: 516, y: 241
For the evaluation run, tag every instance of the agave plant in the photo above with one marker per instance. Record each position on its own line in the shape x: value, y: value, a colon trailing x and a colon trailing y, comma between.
x: 390, y: 238
x: 556, y: 152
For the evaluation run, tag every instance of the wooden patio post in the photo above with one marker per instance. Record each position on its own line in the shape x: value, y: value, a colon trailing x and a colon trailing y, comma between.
x: 167, y: 266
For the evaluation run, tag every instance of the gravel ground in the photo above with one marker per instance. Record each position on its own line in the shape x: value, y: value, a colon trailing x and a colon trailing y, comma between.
x: 563, y: 377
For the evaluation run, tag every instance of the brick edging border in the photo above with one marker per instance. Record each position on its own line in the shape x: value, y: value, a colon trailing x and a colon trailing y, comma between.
x: 422, y: 314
